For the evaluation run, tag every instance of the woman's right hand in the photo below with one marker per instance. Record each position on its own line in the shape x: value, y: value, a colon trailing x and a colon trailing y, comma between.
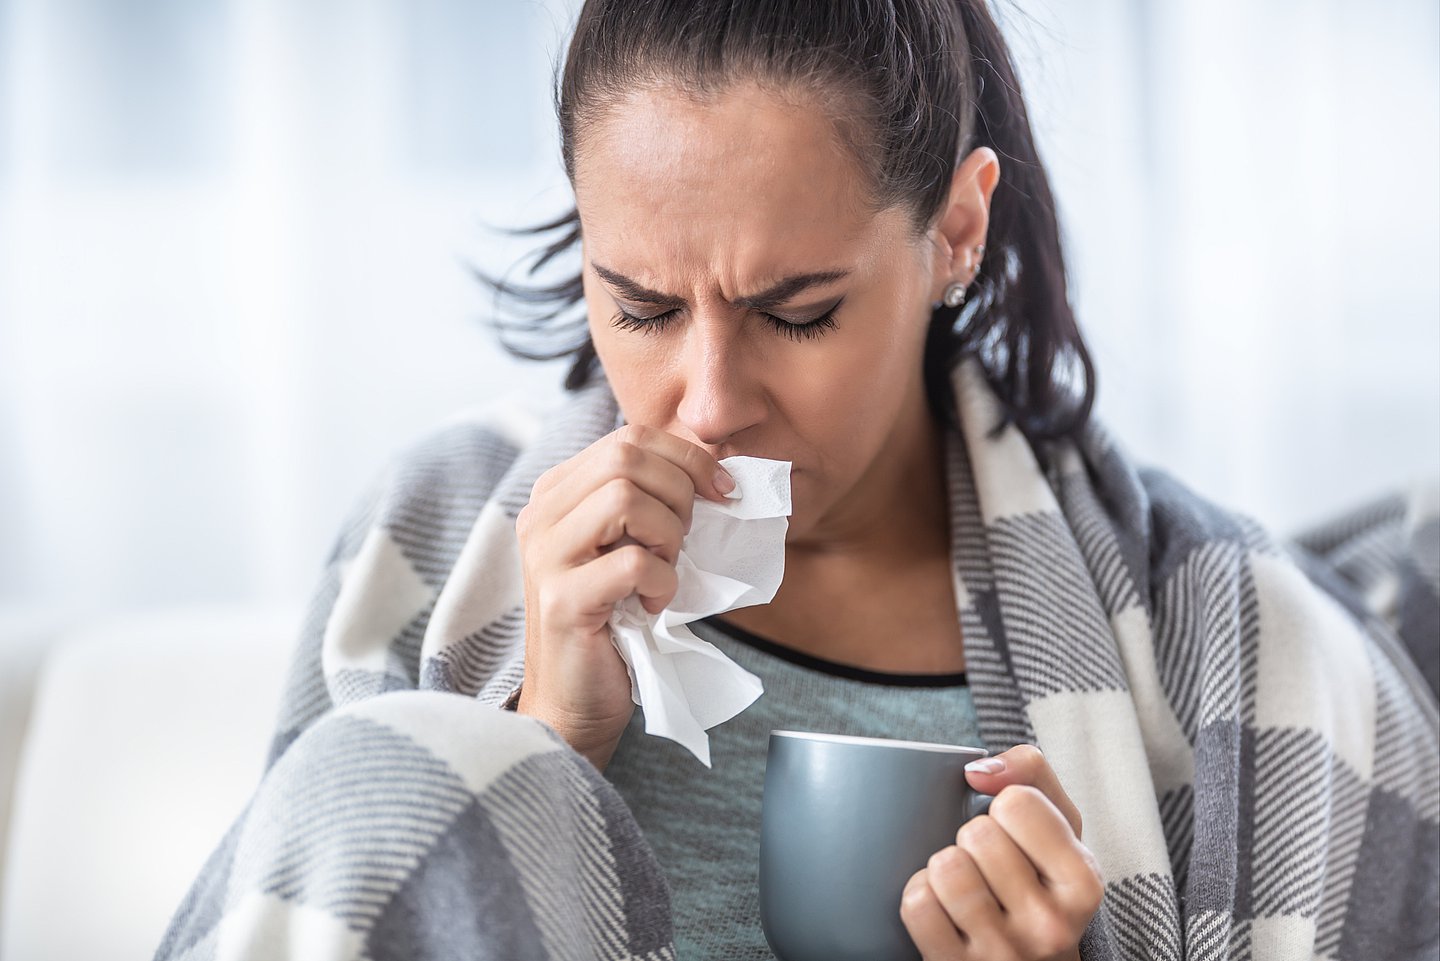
x: 603, y: 525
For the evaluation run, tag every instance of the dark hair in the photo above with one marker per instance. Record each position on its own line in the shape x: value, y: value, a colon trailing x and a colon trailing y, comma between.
x: 915, y: 86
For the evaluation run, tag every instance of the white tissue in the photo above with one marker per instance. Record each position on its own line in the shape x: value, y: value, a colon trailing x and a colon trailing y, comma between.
x: 734, y: 556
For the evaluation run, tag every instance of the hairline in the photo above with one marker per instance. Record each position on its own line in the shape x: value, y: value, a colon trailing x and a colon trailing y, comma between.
x: 799, y: 92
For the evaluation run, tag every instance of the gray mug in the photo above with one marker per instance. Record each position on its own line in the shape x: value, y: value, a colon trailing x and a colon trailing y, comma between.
x: 845, y: 822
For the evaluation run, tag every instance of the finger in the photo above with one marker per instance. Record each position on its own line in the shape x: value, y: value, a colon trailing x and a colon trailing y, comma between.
x: 1012, y: 878
x: 1023, y: 764
x: 614, y: 457
x: 1034, y: 920
x: 706, y: 474
x: 1042, y: 833
x: 616, y: 514
x: 596, y: 587
x: 961, y: 888
x: 929, y: 925
x: 695, y: 462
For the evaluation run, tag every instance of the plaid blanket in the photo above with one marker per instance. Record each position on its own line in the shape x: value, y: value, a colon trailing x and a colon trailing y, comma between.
x: 1240, y: 720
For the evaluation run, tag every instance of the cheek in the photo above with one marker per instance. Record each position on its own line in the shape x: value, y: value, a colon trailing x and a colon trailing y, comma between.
x: 862, y: 376
x: 637, y: 368
x: 620, y: 351
x: 850, y: 395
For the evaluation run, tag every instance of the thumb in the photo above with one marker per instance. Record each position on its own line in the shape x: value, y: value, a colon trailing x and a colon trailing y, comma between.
x: 1022, y: 764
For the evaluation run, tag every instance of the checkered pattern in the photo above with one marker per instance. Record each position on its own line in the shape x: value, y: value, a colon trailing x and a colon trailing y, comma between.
x: 1224, y: 708
x: 1240, y: 721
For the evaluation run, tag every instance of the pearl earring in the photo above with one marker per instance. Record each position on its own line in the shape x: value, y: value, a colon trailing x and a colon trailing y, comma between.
x: 955, y: 292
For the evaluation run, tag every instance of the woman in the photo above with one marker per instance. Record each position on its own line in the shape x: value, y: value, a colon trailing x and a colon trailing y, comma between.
x: 820, y: 233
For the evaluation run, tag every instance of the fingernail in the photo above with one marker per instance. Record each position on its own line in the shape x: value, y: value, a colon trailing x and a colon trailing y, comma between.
x: 986, y: 765
x: 724, y: 483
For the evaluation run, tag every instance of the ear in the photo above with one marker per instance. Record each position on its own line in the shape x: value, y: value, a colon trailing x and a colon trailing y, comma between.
x: 964, y: 221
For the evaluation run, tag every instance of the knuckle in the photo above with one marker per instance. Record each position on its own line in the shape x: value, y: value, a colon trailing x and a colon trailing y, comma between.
x: 625, y: 457
x: 546, y: 480
x: 1015, y: 800
x: 633, y: 560
x: 944, y: 861
x: 1028, y: 795
x: 1049, y: 932
x: 632, y: 434
x: 978, y: 831
x: 916, y: 900
x: 1091, y: 890
x: 1028, y: 755
x: 621, y: 495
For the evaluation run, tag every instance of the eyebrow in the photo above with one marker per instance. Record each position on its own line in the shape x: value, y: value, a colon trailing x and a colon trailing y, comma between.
x: 772, y: 296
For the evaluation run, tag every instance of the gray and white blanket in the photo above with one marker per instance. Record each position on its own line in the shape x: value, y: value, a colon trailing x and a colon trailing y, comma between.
x: 1255, y: 754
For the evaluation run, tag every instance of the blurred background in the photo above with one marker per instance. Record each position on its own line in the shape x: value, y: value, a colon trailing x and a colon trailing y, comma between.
x: 234, y: 249
x: 233, y: 237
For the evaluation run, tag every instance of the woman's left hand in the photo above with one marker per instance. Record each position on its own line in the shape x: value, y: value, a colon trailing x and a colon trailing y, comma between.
x: 1017, y: 884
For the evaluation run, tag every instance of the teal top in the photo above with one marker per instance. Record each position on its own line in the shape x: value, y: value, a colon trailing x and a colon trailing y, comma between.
x: 704, y: 824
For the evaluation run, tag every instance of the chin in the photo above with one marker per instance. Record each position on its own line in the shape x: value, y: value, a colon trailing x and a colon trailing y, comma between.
x: 798, y: 527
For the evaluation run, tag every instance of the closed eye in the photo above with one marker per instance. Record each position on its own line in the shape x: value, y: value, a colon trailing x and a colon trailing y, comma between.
x: 809, y: 330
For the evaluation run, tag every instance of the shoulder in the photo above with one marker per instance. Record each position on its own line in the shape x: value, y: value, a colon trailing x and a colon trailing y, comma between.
x: 459, y: 459
x: 1162, y: 524
x: 1348, y: 587
x: 1195, y: 539
x: 1180, y: 543
x: 431, y: 487
x: 1184, y: 520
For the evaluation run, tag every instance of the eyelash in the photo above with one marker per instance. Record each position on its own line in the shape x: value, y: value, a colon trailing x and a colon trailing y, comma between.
x: 806, y: 331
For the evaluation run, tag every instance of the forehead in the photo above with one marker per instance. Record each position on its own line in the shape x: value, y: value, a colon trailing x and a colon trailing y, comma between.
x: 680, y: 175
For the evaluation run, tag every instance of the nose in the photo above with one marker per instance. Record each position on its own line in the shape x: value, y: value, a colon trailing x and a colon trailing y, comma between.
x: 722, y: 396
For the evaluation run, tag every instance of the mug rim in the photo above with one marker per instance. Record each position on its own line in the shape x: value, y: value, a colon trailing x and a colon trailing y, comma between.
x: 882, y: 742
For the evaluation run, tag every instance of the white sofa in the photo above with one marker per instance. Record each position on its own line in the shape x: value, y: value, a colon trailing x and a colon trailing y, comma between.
x: 127, y: 747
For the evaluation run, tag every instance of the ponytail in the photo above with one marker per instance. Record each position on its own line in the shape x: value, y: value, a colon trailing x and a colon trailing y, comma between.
x: 1017, y: 318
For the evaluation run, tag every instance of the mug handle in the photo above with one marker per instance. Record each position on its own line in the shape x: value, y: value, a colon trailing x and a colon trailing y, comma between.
x: 980, y: 804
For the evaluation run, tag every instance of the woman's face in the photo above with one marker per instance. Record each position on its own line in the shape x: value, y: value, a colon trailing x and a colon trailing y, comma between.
x: 777, y: 316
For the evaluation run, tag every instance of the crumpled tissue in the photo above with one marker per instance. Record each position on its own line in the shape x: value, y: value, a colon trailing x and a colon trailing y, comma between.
x: 734, y: 556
